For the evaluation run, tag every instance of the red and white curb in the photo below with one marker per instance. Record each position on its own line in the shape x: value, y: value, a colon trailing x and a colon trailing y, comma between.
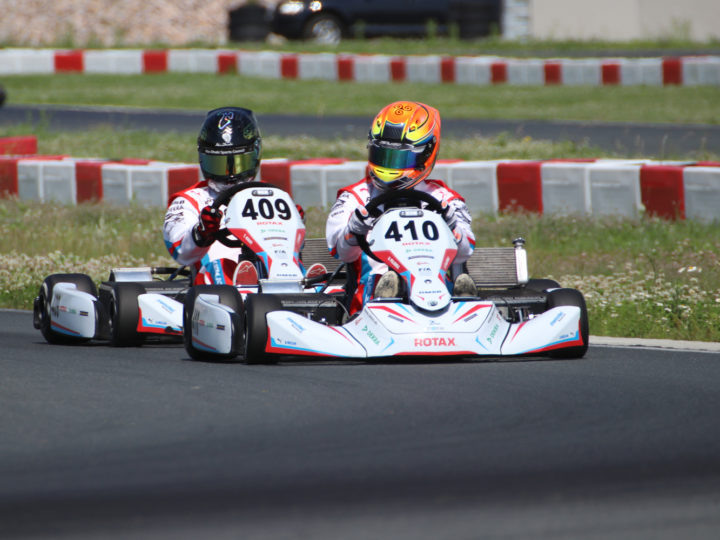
x: 656, y: 344
x: 433, y: 69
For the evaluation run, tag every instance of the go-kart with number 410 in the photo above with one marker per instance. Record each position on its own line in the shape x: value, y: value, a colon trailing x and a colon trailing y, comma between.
x: 528, y: 317
x: 136, y: 305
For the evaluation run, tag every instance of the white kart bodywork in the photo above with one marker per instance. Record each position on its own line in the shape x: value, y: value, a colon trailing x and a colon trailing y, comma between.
x: 275, y: 233
x: 386, y: 329
x: 414, y: 243
x: 72, y: 311
x: 419, y: 246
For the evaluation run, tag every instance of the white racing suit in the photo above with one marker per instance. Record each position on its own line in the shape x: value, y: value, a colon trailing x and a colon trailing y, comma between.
x: 365, y: 271
x: 211, y: 264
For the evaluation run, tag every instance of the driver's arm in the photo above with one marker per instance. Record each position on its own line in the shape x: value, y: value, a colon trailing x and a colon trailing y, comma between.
x: 467, y: 242
x: 336, y: 229
x: 180, y: 219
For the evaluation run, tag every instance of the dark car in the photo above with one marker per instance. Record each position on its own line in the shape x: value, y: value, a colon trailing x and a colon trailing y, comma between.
x: 328, y: 21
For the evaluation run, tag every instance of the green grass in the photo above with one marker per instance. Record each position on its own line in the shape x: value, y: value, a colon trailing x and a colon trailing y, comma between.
x: 178, y: 147
x: 642, y: 278
x: 673, y: 104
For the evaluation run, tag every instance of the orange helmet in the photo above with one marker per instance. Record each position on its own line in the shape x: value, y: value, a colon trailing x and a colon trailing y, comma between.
x: 403, y: 144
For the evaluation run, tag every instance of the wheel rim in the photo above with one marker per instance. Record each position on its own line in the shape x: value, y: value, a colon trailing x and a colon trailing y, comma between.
x: 326, y: 32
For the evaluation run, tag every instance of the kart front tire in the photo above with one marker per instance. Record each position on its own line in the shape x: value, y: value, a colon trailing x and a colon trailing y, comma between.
x: 257, y: 306
x: 228, y: 296
x: 41, y: 308
x: 124, y: 314
x: 571, y: 297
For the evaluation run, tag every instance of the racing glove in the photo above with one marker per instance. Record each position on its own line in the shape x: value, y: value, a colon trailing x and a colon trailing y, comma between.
x: 360, y: 223
x: 452, y: 220
x: 207, y: 227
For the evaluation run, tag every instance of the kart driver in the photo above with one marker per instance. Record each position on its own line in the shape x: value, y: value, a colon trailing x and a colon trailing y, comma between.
x: 403, y: 145
x: 229, y: 149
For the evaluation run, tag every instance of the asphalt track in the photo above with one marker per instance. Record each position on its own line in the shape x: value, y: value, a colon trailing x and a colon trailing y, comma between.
x: 101, y: 442
x: 659, y: 141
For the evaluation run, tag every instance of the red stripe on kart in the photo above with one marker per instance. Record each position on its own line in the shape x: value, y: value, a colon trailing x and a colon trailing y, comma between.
x: 517, y: 330
x: 154, y: 329
x: 270, y: 348
x: 436, y: 353
x: 343, y: 335
x: 473, y: 310
x: 386, y: 308
x: 203, y: 344
x: 562, y: 345
x: 61, y: 327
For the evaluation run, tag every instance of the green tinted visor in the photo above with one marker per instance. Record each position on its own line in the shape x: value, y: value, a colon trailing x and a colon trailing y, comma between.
x: 229, y: 164
x: 396, y: 157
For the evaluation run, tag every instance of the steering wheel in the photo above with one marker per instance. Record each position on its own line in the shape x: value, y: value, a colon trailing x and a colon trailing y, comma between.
x: 395, y: 199
x: 224, y: 236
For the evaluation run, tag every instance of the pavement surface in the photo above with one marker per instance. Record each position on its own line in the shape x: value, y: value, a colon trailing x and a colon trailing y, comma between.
x: 649, y: 140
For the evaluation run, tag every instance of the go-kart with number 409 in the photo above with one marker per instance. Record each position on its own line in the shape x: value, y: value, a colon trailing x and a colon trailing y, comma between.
x: 139, y: 304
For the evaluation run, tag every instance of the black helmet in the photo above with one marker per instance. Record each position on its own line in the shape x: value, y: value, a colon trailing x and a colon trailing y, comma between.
x: 229, y: 147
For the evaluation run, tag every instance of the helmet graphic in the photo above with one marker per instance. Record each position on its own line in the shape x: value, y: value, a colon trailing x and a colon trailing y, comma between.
x: 229, y: 147
x: 403, y: 144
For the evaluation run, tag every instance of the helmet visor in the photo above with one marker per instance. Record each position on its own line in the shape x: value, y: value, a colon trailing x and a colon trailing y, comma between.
x: 228, y: 164
x: 396, y: 156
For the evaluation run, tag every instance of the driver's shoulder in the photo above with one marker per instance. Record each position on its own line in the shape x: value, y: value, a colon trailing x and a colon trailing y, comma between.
x: 439, y: 190
x: 197, y: 194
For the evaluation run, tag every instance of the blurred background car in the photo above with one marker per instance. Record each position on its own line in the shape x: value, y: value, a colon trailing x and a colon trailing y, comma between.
x: 328, y: 21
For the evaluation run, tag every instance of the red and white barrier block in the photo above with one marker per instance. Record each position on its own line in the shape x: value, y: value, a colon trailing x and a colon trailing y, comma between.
x: 431, y: 69
x: 71, y: 181
x: 604, y: 187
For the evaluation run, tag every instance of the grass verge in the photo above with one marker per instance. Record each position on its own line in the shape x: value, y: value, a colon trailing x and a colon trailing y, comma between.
x: 671, y: 104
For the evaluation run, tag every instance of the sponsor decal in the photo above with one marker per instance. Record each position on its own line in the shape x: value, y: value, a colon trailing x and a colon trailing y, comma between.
x: 225, y: 119
x: 295, y: 325
x: 435, y: 342
x: 168, y: 307
x: 371, y: 335
x: 493, y: 333
x: 559, y: 317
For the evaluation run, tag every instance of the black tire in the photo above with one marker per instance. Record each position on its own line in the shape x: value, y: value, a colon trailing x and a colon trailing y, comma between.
x: 228, y: 296
x: 542, y: 285
x: 41, y: 309
x: 124, y: 313
x: 257, y: 306
x: 324, y: 28
x: 571, y: 297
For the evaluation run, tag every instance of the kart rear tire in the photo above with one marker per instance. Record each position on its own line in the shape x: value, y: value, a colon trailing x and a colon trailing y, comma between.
x: 542, y: 285
x: 257, y: 306
x: 124, y: 314
x: 228, y: 296
x: 571, y: 297
x: 41, y: 308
